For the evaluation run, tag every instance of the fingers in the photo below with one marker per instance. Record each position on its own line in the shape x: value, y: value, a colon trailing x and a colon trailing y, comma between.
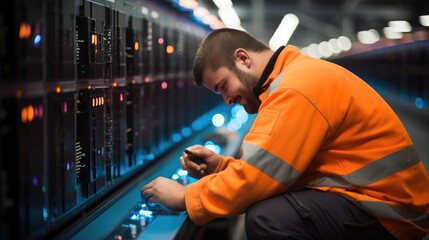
x: 146, y: 193
x: 149, y: 190
x: 149, y: 199
x: 194, y: 170
x: 182, y: 162
x: 188, y: 164
x: 198, y: 169
x: 199, y: 150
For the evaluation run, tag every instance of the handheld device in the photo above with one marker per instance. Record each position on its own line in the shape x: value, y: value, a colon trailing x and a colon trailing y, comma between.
x: 196, y: 160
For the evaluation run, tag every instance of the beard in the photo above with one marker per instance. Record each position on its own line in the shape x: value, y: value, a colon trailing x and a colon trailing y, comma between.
x: 249, y: 81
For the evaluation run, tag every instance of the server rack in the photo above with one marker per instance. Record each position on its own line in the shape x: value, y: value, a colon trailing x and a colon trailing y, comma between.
x: 93, y: 94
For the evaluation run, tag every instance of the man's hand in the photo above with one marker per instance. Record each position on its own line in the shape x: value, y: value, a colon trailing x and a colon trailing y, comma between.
x: 210, y: 160
x: 167, y: 192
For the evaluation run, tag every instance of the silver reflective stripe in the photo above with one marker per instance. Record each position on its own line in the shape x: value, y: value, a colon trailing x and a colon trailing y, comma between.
x: 275, y: 83
x: 374, y: 171
x: 269, y: 164
x: 384, y: 210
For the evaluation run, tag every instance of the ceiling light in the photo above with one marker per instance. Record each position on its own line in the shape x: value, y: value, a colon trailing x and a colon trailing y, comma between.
x: 313, y: 51
x: 209, y: 19
x: 424, y: 20
x: 223, y: 3
x: 390, y: 33
x: 229, y: 17
x: 284, y: 31
x: 324, y: 49
x: 188, y: 4
x: 344, y: 43
x: 400, y: 26
x: 333, y: 45
x: 201, y: 12
x: 217, y: 24
x: 368, y: 37
x: 154, y: 14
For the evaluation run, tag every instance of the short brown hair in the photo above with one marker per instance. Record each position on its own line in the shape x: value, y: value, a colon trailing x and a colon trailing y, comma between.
x: 218, y: 50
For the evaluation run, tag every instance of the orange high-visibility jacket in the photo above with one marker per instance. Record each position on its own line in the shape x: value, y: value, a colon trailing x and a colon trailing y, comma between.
x: 320, y: 126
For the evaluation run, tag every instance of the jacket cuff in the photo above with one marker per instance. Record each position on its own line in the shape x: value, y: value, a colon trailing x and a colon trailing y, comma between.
x: 223, y: 163
x: 193, y: 204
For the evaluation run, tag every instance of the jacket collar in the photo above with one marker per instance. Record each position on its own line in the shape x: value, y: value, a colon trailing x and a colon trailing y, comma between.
x: 260, y: 88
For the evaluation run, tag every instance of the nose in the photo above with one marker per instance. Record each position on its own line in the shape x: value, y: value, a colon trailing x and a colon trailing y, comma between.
x: 227, y: 99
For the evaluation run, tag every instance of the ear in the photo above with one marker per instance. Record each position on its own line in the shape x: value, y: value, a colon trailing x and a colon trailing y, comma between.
x: 242, y: 57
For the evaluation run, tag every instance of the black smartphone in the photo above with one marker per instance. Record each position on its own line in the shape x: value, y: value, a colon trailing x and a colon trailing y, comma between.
x: 196, y: 160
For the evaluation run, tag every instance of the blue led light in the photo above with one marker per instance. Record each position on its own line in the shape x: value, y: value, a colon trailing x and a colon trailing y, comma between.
x: 182, y: 172
x: 235, y: 109
x: 37, y: 39
x: 35, y: 181
x: 177, y: 137
x: 186, y: 131
x: 146, y: 213
x: 234, y: 125
x: 197, y: 125
x: 218, y: 120
x: 45, y: 214
x: 242, y: 115
x: 150, y: 156
x: 213, y: 146
x: 175, y: 176
x: 239, y: 116
x: 420, y: 103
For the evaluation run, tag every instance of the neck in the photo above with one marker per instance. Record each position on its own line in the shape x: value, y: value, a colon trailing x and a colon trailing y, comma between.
x: 263, y: 58
x: 267, y: 68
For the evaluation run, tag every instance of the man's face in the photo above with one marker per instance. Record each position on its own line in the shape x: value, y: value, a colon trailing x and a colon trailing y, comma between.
x: 234, y: 86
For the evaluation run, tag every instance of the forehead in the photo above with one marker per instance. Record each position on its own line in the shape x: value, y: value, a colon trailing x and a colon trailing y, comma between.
x: 213, y: 77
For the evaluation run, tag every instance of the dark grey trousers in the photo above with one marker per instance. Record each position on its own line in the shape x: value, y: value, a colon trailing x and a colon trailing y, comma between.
x: 311, y: 214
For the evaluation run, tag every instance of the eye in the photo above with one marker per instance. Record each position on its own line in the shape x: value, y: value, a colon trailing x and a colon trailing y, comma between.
x: 223, y: 87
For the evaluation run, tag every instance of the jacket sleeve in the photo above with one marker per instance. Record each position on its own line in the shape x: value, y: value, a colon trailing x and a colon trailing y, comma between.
x: 224, y: 162
x: 279, y: 146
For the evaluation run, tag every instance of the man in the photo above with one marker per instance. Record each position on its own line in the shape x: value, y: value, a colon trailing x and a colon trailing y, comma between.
x: 326, y: 157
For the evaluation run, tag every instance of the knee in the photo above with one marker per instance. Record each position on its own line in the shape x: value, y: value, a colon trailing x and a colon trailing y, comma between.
x: 254, y: 217
x: 255, y: 222
x: 263, y: 222
x: 267, y: 220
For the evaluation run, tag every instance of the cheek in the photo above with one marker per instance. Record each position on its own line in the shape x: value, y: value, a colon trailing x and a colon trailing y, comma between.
x: 234, y: 89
